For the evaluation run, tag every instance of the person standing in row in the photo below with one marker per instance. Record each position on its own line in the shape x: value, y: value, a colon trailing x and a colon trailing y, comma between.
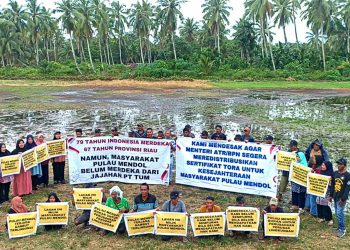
x: 140, y: 133
x: 218, y: 135
x: 36, y: 171
x: 40, y: 139
x: 22, y: 183
x: 5, y: 181
x: 58, y: 164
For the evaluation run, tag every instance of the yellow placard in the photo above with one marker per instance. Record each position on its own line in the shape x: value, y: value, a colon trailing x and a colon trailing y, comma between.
x: 168, y: 223
x: 282, y: 224
x: 204, y: 224
x: 10, y: 165
x: 139, y: 223
x: 284, y: 159
x: 298, y: 174
x: 105, y: 217
x: 29, y: 159
x: 317, y: 184
x: 243, y: 218
x: 84, y: 198
x: 41, y: 152
x: 22, y: 224
x: 53, y: 213
x: 56, y: 148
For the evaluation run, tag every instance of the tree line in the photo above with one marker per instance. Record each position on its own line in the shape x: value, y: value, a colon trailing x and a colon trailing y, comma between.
x: 101, y: 35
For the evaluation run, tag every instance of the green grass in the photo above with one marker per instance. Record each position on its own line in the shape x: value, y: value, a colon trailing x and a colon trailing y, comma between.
x: 281, y: 85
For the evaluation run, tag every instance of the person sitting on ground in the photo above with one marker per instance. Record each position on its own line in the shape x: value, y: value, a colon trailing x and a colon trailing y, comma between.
x: 218, y: 135
x: 240, y: 202
x: 209, y: 206
x: 53, y: 198
x: 118, y: 202
x: 272, y: 208
x: 204, y: 135
x: 140, y: 133
x: 17, y: 206
x: 145, y: 201
x: 247, y: 137
x: 174, y: 205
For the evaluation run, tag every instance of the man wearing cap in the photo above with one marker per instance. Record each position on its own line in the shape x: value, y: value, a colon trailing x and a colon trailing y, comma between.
x: 272, y: 208
x: 189, y: 128
x: 247, y: 137
x: 269, y: 139
x: 340, y: 193
x: 204, y: 135
x: 218, y: 135
x: 114, y: 132
x: 209, y: 206
x: 140, y: 133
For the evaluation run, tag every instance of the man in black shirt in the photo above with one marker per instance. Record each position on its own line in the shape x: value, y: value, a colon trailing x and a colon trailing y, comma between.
x: 218, y: 135
x: 140, y: 133
x: 340, y: 192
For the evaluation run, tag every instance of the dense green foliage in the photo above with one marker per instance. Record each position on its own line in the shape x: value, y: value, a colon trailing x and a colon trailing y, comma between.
x: 90, y: 39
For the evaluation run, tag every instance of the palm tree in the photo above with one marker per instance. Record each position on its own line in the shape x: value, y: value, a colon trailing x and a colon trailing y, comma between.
x: 295, y: 8
x: 216, y: 13
x: 245, y: 37
x: 345, y: 13
x: 119, y: 19
x: 317, y: 13
x: 9, y: 41
x: 65, y: 8
x: 170, y: 12
x: 189, y: 29
x: 283, y: 15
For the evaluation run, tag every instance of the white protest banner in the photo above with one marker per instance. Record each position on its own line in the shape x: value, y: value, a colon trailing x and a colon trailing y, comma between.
x: 129, y: 160
x: 236, y: 167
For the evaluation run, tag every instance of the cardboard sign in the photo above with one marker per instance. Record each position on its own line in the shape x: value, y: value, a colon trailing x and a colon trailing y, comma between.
x: 10, y: 165
x: 243, y: 218
x: 85, y: 198
x: 41, y: 153
x: 169, y: 223
x: 53, y: 213
x: 22, y: 224
x: 205, y: 224
x: 282, y: 224
x: 298, y: 174
x: 29, y: 159
x: 317, y: 184
x: 285, y: 159
x: 139, y: 223
x: 56, y: 148
x: 105, y: 217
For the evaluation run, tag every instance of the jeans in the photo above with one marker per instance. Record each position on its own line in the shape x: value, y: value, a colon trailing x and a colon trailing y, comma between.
x: 311, y: 204
x: 339, y: 211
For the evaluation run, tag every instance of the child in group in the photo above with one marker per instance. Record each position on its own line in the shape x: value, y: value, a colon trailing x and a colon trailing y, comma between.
x: 53, y: 198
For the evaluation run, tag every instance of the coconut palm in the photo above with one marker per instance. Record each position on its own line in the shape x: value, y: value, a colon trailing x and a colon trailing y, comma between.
x: 295, y: 8
x: 119, y: 19
x: 245, y: 36
x: 283, y: 15
x: 189, y: 29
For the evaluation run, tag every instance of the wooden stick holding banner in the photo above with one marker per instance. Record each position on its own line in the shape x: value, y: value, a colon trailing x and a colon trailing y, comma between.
x: 206, y: 224
x: 85, y: 198
x: 10, y: 165
x: 53, y: 213
x: 298, y: 174
x: 317, y: 184
x: 285, y: 159
x: 56, y: 148
x: 139, y: 223
x: 105, y: 217
x: 21, y: 224
x: 281, y: 224
x: 243, y: 218
x: 29, y: 159
x: 170, y: 224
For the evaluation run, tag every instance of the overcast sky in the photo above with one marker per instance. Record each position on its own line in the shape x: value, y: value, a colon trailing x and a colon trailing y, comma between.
x: 193, y: 9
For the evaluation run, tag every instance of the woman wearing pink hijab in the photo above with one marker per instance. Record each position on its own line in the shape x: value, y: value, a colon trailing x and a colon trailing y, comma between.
x: 17, y: 206
x: 40, y: 139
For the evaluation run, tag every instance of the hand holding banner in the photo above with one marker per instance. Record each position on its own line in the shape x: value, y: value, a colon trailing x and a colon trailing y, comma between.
x: 281, y: 224
x: 29, y: 159
x: 85, y: 198
x: 56, y: 148
x: 105, y: 217
x: 243, y: 218
x: 139, y: 223
x: 204, y: 224
x: 298, y: 174
x: 22, y: 224
x: 317, y: 184
x: 53, y: 213
x: 10, y: 165
x: 41, y: 152
x: 285, y: 159
x: 171, y: 224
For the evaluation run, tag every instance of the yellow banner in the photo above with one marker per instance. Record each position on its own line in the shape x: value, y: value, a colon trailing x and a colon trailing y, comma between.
x: 10, y: 165
x: 29, y: 159
x: 282, y: 224
x: 105, y: 217
x: 317, y: 184
x: 20, y: 225
x: 84, y: 198
x: 53, y: 213
x: 173, y: 224
x: 56, y: 148
x: 204, y: 224
x: 139, y: 223
x: 298, y: 174
x: 284, y: 159
x: 243, y: 218
x: 41, y: 152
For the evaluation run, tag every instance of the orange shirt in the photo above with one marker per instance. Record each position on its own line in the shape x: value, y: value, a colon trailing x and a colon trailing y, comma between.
x: 204, y: 209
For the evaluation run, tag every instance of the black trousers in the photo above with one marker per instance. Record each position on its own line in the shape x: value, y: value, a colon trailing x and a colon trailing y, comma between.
x: 4, y: 191
x: 45, y: 177
x: 324, y: 212
x: 58, y: 171
x: 35, y: 181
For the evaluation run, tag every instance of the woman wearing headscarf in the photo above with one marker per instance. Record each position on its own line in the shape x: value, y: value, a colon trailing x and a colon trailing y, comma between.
x: 53, y: 198
x: 5, y: 181
x: 324, y: 212
x: 118, y: 202
x: 58, y: 164
x: 299, y: 191
x: 36, y: 170
x: 22, y: 183
x: 40, y: 139
x: 17, y: 206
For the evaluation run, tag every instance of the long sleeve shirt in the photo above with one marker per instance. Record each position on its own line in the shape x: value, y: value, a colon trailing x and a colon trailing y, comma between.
x: 340, y: 186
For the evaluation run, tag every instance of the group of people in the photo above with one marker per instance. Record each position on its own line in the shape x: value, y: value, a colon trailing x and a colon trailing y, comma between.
x: 26, y: 181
